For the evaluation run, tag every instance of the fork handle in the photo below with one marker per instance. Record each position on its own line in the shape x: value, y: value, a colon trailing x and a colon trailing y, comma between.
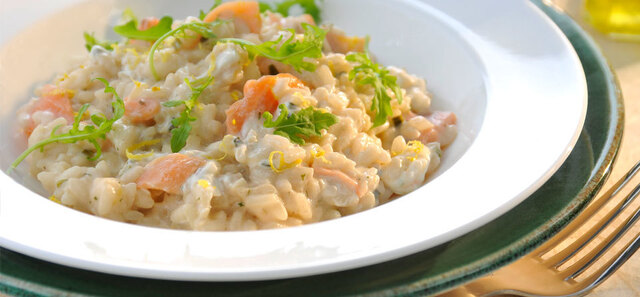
x: 515, y: 275
x: 493, y: 283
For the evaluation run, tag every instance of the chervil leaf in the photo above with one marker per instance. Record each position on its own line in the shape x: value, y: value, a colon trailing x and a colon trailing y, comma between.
x: 130, y: 29
x: 300, y: 125
x: 308, y: 6
x: 89, y: 133
x: 180, y: 134
x: 369, y: 73
x: 90, y: 41
x: 203, y: 29
x: 97, y: 119
x: 117, y: 106
x: 290, y: 51
x: 182, y: 124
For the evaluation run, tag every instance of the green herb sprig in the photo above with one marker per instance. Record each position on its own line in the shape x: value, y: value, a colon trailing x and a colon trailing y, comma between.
x: 90, y: 41
x: 300, y: 125
x: 308, y: 6
x: 130, y: 29
x: 369, y: 73
x: 91, y: 133
x: 290, y: 51
x: 203, y: 29
x: 182, y: 124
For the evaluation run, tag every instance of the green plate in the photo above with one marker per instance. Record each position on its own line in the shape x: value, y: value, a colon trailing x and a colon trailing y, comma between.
x: 494, y: 245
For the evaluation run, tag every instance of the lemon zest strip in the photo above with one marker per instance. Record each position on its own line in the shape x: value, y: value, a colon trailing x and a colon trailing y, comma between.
x: 304, y: 102
x: 205, y: 184
x: 318, y: 153
x: 224, y: 155
x: 415, y: 147
x: 132, y: 51
x: 223, y: 144
x: 223, y: 147
x: 54, y: 199
x: 85, y: 116
x: 212, y: 66
x: 140, y: 145
x: 63, y: 78
x: 282, y: 164
x: 61, y: 92
x: 235, y: 95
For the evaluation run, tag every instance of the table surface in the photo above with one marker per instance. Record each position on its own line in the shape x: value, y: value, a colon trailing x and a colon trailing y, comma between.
x: 624, y: 57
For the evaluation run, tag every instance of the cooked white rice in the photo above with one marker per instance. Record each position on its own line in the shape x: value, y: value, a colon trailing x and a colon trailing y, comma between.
x: 241, y: 183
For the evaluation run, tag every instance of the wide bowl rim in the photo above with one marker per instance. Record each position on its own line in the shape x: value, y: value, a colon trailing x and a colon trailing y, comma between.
x: 599, y: 175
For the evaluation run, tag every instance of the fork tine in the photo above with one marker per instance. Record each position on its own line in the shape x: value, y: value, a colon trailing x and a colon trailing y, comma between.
x: 611, y: 266
x: 577, y: 245
x: 580, y: 277
x: 586, y: 214
x: 594, y: 255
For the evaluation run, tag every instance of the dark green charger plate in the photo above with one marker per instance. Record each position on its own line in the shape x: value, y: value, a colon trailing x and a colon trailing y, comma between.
x: 443, y: 267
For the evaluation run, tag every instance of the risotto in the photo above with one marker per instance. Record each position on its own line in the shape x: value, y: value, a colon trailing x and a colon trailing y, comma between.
x: 239, y: 119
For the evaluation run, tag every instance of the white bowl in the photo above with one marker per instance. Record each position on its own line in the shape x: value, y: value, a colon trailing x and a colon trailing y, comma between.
x: 508, y: 73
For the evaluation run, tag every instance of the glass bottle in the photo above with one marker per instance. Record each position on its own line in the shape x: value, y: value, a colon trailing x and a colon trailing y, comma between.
x: 619, y: 18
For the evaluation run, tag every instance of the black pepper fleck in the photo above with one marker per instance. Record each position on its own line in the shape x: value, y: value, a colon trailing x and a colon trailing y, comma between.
x: 397, y: 121
x: 273, y: 70
x: 237, y: 141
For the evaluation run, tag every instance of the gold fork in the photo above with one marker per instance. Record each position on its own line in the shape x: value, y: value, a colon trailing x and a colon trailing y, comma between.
x: 563, y: 266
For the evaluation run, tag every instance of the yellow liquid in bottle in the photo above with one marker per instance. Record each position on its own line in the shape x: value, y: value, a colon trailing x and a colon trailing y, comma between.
x: 620, y: 18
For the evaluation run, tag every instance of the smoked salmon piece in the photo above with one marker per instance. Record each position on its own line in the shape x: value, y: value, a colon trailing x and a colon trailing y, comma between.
x: 54, y: 100
x: 258, y: 97
x: 147, y: 23
x: 245, y: 15
x: 341, y: 43
x: 440, y: 120
x: 168, y: 173
x: 342, y: 178
x: 141, y: 110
